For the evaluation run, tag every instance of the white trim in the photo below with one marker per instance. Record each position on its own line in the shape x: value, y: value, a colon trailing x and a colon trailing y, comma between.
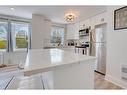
x: 3, y: 50
x: 2, y: 16
x: 116, y: 81
x: 104, y: 11
x: 20, y: 49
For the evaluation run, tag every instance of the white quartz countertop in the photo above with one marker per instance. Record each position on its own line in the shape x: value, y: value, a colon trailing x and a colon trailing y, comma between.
x: 42, y: 60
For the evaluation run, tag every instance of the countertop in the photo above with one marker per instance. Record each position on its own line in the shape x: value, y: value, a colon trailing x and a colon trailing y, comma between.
x: 42, y: 60
x: 80, y: 47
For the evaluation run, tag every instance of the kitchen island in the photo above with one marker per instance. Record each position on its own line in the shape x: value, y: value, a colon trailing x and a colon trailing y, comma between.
x: 61, y: 69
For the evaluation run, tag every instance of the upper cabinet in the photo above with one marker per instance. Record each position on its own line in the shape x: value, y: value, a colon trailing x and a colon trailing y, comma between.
x: 73, y: 29
x: 98, y: 19
x: 76, y: 28
x: 84, y: 24
x: 70, y: 31
x: 47, y: 33
x: 95, y: 20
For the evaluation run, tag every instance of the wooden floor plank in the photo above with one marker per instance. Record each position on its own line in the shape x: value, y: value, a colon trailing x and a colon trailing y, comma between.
x: 101, y: 83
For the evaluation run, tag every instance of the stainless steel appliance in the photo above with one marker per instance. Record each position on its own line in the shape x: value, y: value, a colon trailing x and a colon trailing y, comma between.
x: 84, y: 32
x: 98, y: 47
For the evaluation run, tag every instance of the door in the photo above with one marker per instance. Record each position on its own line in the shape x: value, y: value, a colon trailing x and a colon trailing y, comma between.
x: 19, y: 34
x: 3, y: 35
x: 14, y: 40
x: 3, y: 39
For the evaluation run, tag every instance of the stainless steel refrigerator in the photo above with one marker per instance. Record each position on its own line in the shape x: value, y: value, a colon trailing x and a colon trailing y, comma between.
x: 98, y: 47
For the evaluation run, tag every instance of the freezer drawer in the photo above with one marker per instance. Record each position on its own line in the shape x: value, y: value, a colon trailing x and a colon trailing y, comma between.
x: 101, y: 57
x: 99, y: 50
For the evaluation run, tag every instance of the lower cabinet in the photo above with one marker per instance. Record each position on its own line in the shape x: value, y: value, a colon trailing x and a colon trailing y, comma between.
x: 80, y: 50
x: 84, y: 51
x: 32, y: 82
x: 69, y: 49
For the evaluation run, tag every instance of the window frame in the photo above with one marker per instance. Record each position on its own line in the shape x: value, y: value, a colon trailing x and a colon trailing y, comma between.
x: 57, y: 30
x: 21, y: 49
x: 9, y: 33
x: 5, y: 20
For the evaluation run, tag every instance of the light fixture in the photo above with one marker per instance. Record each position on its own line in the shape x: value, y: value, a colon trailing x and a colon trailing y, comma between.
x: 12, y: 8
x: 70, y: 17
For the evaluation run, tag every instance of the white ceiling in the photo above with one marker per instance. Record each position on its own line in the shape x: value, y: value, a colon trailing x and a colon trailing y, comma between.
x: 55, y: 13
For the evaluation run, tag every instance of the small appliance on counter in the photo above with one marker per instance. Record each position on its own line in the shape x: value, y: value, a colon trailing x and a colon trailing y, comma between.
x: 72, y: 43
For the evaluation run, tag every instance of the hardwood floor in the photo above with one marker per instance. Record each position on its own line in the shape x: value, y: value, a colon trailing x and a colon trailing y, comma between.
x: 101, y: 83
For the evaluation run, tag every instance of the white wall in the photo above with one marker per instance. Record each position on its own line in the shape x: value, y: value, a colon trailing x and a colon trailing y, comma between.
x: 47, y: 27
x: 41, y: 28
x: 116, y: 49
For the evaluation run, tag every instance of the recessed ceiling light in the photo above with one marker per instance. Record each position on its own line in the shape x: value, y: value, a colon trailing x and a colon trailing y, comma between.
x: 12, y: 8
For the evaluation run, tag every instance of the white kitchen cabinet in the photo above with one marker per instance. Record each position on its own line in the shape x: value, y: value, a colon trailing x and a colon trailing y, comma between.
x: 41, y: 28
x: 71, y: 31
x: 76, y: 27
x: 32, y: 82
x: 92, y: 22
x: 69, y: 49
x: 4, y: 81
x: 98, y: 19
x: 47, y: 33
x: 84, y: 24
x: 102, y: 18
x: 67, y: 70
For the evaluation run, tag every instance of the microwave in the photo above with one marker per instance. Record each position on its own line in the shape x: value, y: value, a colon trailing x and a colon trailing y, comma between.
x: 83, y: 32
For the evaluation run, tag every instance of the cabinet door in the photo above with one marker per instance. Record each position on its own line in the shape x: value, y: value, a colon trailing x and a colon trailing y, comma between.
x: 47, y: 30
x: 76, y: 30
x: 101, y: 18
x: 85, y: 24
x: 98, y: 19
x: 92, y: 22
x: 81, y: 24
x: 70, y: 31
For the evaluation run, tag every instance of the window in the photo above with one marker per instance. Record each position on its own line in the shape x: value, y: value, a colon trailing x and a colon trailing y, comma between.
x: 57, y: 35
x: 14, y: 35
x: 3, y: 35
x: 20, y: 35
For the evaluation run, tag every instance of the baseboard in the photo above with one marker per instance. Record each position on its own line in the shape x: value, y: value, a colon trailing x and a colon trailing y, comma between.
x: 99, y: 72
x: 116, y: 81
